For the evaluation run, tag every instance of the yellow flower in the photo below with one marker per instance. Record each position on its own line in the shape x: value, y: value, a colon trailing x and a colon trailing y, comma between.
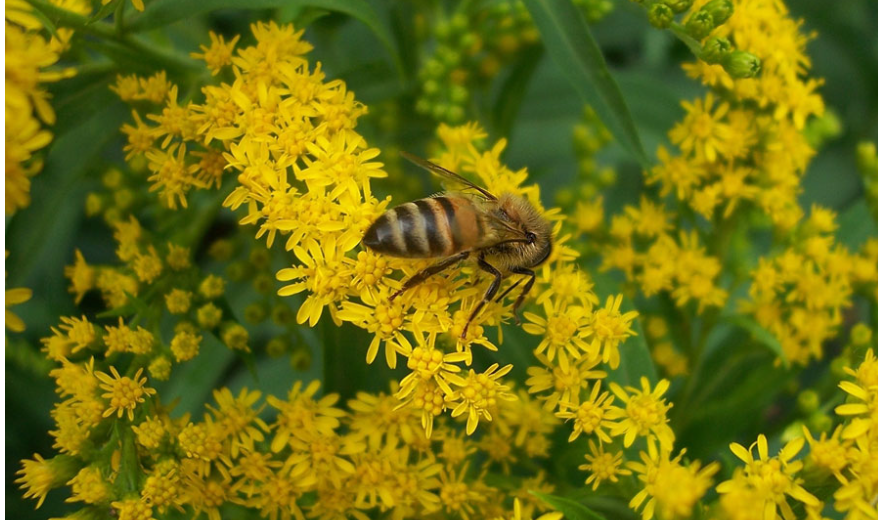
x: 133, y: 508
x: 16, y: 296
x: 123, y: 393
x: 219, y: 54
x: 81, y: 275
x: 565, y: 379
x: 609, y: 327
x: 701, y: 131
x: 185, y: 346
x: 150, y: 432
x: 603, y: 466
x: 590, y: 416
x: 673, y: 488
x: 645, y: 413
x: 478, y: 394
x: 39, y: 476
x: 178, y: 301
x: 89, y: 486
x: 303, y: 417
x: 773, y: 479
x: 562, y: 330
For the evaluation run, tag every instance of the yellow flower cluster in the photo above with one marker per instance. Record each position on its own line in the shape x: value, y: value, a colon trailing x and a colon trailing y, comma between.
x: 842, y: 463
x: 304, y: 174
x: 643, y: 245
x: 800, y: 293
x: 120, y: 447
x: 743, y: 142
x: 29, y: 58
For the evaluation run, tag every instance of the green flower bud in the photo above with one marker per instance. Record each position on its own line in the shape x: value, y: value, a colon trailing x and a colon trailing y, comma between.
x: 423, y: 106
x: 808, y: 401
x: 861, y: 334
x: 94, y: 204
x: 867, y: 158
x: 819, y: 423
x: 459, y: 23
x: 678, y: 6
x: 431, y: 86
x: 837, y: 366
x: 607, y: 176
x: 221, y: 249
x: 660, y: 16
x: 720, y: 11
x: 742, y: 64
x: 276, y: 347
x: 260, y: 258
x: 564, y: 197
x: 458, y: 94
x: 255, y: 313
x: 281, y: 314
x: 442, y: 30
x: 300, y: 359
x: 699, y: 25
x: 237, y: 271
x: 263, y: 283
x: 456, y: 114
x: 715, y: 48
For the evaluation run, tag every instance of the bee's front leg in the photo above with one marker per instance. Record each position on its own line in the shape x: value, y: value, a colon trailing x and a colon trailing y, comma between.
x: 436, y: 268
x: 489, y: 294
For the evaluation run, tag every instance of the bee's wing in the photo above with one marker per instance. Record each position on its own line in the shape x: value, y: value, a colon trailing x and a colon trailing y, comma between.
x: 447, y: 174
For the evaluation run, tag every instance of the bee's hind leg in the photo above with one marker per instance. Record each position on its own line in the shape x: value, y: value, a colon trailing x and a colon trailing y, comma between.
x: 524, y: 291
x: 436, y: 268
x: 489, y: 294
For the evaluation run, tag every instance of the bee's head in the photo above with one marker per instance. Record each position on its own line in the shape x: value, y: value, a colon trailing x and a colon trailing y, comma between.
x: 537, y: 231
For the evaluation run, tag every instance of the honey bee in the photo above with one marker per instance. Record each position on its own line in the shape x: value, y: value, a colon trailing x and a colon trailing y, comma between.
x: 504, y: 232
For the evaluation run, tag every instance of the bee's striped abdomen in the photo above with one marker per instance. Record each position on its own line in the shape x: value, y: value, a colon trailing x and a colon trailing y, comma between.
x: 434, y: 227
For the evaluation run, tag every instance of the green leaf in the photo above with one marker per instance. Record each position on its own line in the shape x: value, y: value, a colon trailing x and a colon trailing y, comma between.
x: 635, y: 359
x: 573, y: 48
x: 759, y: 334
x: 572, y: 510
x: 164, y: 12
x: 512, y: 92
x: 104, y: 11
x: 856, y: 224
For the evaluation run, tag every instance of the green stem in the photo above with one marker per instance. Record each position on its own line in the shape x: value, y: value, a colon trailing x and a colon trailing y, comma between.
x: 680, y: 32
x: 119, y: 18
x: 65, y: 18
x: 129, y: 464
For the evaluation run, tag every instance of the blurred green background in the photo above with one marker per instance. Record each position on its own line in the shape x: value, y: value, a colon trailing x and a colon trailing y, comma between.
x: 645, y: 62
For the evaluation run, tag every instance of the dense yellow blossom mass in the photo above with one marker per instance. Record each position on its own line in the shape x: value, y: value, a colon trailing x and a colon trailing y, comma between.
x: 275, y: 141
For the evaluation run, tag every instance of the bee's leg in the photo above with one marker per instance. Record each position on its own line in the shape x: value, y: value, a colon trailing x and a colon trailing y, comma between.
x: 436, y: 268
x: 509, y: 289
x: 524, y: 291
x: 489, y: 294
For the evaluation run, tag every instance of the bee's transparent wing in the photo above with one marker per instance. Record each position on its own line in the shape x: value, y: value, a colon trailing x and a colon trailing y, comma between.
x: 447, y: 174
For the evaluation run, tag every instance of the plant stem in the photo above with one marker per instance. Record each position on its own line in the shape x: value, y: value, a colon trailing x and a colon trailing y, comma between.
x: 119, y: 18
x: 65, y: 18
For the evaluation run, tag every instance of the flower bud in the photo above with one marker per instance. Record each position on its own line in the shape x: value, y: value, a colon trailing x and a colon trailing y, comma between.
x: 276, y: 347
x: 255, y: 313
x: 678, y: 6
x: 660, y: 16
x: 699, y: 25
x: 867, y: 158
x: 820, y: 422
x: 808, y: 401
x: 861, y: 334
x: 719, y: 10
x: 715, y: 49
x: 300, y: 359
x: 742, y: 64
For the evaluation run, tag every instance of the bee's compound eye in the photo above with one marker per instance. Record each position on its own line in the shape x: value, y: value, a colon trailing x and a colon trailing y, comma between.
x: 531, y: 237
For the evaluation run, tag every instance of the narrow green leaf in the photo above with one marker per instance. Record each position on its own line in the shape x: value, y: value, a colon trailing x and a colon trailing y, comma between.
x: 512, y: 92
x: 759, y: 334
x: 635, y: 359
x: 573, y: 48
x: 856, y: 224
x: 572, y: 510
x: 164, y: 12
x: 104, y: 11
